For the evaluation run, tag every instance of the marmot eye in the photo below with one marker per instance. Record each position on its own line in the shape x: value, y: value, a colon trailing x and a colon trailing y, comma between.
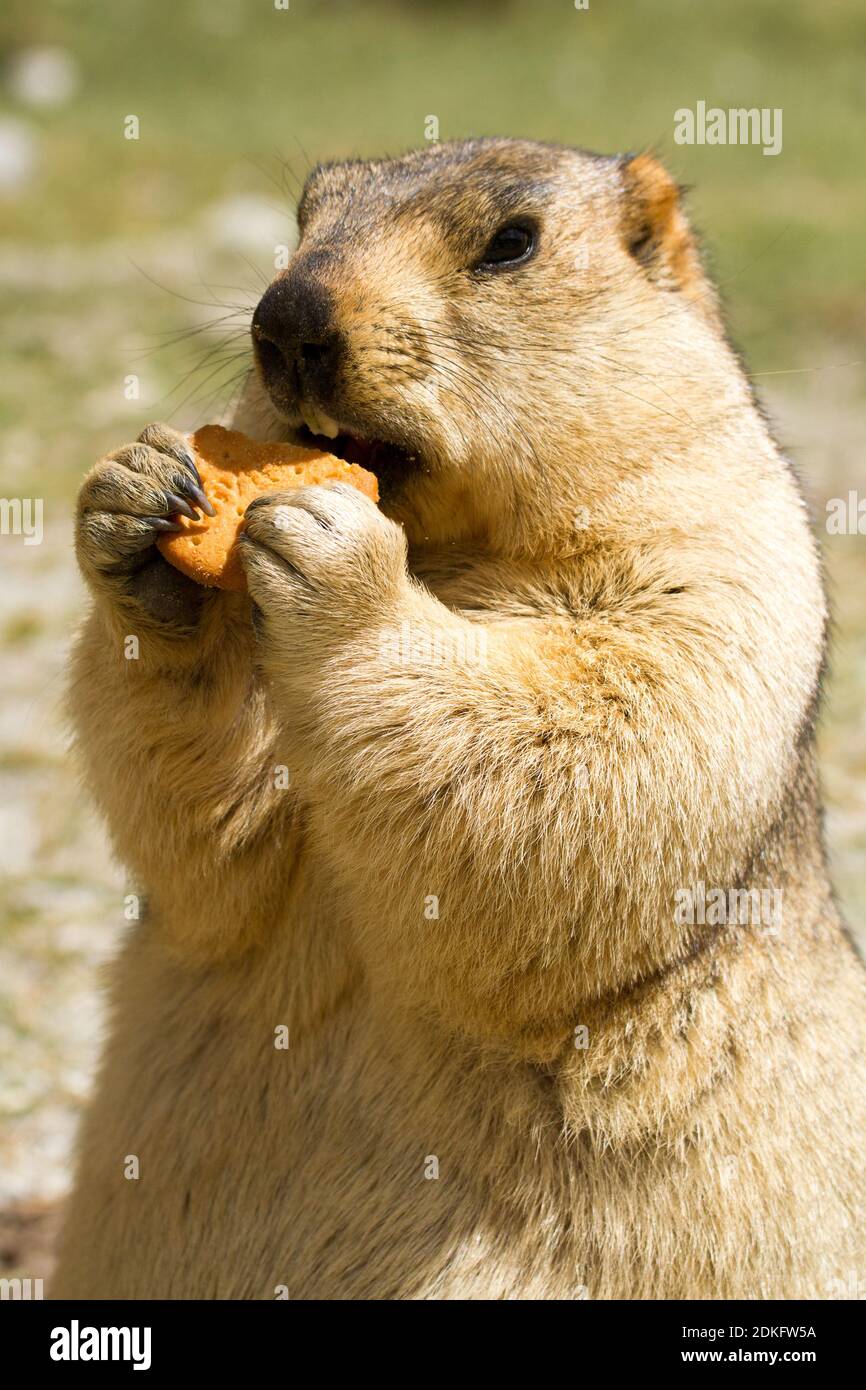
x: 510, y: 244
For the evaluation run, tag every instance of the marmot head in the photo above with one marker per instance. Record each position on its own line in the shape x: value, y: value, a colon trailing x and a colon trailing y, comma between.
x: 492, y: 327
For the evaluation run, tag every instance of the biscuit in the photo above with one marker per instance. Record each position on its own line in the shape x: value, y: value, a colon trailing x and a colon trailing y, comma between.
x: 234, y: 469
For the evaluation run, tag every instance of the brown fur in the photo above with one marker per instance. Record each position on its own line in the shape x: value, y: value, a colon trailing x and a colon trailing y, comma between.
x: 598, y: 494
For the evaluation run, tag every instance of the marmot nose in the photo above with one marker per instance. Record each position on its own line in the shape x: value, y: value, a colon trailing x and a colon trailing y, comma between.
x: 294, y: 335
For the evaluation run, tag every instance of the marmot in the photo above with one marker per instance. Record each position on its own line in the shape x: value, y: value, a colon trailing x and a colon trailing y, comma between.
x: 417, y: 1007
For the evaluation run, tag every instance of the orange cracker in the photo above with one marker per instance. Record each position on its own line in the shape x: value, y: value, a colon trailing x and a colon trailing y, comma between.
x: 234, y: 469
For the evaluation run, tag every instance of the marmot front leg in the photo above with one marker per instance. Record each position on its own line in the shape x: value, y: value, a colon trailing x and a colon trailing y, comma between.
x: 324, y: 566
x: 125, y: 503
x: 177, y: 741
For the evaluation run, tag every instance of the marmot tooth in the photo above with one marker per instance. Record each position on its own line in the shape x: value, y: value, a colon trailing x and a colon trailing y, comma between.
x: 308, y: 415
x: 317, y: 422
x: 328, y: 427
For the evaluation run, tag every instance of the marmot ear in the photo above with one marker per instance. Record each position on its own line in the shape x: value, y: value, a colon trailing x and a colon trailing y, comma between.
x: 657, y: 233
